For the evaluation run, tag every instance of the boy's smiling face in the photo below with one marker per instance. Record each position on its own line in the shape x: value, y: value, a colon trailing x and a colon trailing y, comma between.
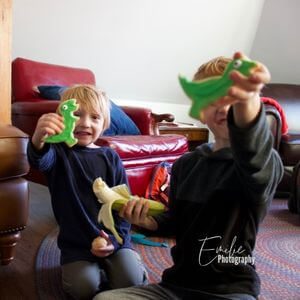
x: 88, y: 128
x: 93, y: 113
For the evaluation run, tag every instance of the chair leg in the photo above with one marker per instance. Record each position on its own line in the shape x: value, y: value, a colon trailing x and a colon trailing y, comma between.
x: 294, y: 199
x: 8, y: 242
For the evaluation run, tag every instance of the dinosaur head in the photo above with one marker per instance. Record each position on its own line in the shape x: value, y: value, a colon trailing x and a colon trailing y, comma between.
x: 68, y: 106
x: 242, y: 64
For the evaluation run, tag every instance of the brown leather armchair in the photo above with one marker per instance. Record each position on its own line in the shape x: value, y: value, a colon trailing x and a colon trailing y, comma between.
x: 14, y: 196
x: 288, y: 96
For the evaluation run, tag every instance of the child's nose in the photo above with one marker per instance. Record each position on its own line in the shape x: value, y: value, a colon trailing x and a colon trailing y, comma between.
x: 85, y: 121
x: 224, y: 109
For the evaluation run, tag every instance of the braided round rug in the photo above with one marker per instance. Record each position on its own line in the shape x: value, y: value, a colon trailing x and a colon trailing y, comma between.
x: 277, y: 258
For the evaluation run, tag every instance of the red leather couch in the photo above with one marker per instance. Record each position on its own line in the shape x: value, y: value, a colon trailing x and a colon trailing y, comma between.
x: 140, y: 154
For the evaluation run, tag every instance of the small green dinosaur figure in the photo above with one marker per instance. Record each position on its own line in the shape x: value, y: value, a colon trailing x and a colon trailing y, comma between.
x: 206, y: 91
x: 66, y: 109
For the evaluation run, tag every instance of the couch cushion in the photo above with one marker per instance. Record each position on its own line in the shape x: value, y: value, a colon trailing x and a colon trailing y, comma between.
x: 145, y: 146
x: 290, y: 149
x: 51, y: 92
x: 120, y: 123
x: 141, y: 154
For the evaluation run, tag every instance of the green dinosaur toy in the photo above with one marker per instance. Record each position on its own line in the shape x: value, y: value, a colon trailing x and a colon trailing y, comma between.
x: 66, y: 109
x: 206, y: 91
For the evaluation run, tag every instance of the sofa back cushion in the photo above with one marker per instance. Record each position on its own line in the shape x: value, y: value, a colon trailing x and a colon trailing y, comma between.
x: 120, y: 122
x: 288, y: 96
x: 27, y: 74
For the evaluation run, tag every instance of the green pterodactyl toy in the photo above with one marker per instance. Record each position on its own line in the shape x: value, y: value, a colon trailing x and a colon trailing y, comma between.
x: 66, y: 109
x: 206, y: 91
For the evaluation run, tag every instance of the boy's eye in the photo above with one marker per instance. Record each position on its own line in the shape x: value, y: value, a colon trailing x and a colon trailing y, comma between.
x: 77, y: 113
x: 96, y: 117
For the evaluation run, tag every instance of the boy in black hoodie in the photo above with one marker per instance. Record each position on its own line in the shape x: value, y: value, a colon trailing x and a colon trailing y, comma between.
x: 219, y: 195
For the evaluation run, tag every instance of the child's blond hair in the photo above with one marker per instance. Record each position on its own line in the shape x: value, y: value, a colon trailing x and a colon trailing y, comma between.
x: 214, y: 67
x: 91, y: 99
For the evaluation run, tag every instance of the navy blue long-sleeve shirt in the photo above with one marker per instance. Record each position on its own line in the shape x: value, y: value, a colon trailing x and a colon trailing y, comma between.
x: 217, y: 200
x: 70, y: 173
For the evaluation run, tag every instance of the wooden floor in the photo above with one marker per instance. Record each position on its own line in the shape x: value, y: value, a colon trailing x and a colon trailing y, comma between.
x: 17, y: 280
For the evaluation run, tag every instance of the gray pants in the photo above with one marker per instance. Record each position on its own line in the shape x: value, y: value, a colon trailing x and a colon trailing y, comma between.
x: 83, y: 279
x: 158, y: 292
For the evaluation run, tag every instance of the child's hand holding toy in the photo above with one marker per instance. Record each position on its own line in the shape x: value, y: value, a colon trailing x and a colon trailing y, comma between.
x: 47, y: 125
x: 56, y: 128
x: 66, y: 109
x: 241, y: 72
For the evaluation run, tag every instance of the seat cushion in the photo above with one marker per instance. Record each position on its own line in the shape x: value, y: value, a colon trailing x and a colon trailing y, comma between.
x: 290, y: 149
x: 141, y: 154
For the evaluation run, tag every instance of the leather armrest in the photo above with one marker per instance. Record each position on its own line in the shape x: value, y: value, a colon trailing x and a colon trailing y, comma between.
x: 13, y: 159
x: 141, y: 117
x: 158, y: 118
x: 146, y: 120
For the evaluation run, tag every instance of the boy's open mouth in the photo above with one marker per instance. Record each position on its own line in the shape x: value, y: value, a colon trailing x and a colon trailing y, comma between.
x: 82, y: 133
x: 221, y: 121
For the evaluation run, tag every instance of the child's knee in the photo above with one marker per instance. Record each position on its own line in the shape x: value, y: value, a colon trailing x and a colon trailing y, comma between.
x: 81, y: 289
x: 140, y: 277
x: 128, y: 270
x: 81, y: 279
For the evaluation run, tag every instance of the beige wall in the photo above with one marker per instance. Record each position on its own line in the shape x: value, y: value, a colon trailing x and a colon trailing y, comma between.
x: 5, y: 60
x: 277, y: 42
x: 136, y: 48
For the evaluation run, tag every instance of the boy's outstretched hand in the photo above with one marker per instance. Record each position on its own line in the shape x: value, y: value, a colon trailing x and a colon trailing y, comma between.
x: 244, y: 94
x: 135, y: 212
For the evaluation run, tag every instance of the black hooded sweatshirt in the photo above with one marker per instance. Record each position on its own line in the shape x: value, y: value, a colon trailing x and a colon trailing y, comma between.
x: 217, y: 201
